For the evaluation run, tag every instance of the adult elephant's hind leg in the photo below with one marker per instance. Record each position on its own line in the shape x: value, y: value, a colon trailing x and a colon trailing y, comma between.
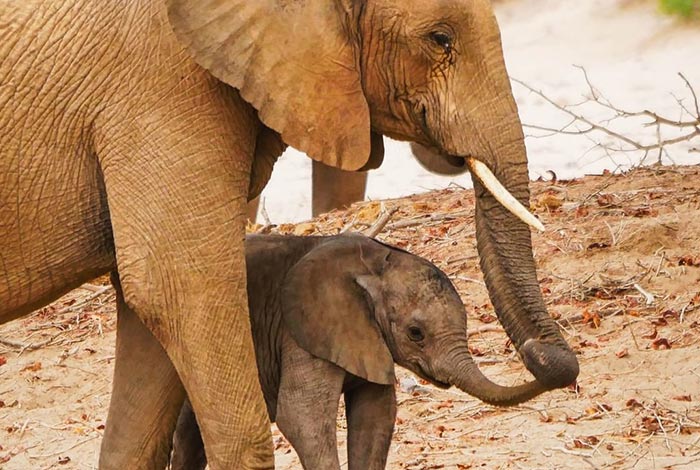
x: 334, y: 188
x: 371, y: 411
x: 147, y: 395
x: 252, y: 209
x: 188, y: 448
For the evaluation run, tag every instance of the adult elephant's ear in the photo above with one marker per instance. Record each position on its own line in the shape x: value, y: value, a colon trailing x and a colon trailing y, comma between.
x: 296, y: 62
x: 329, y: 314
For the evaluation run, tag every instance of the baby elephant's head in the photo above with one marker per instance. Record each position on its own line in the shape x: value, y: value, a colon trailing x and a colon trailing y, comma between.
x: 364, y: 305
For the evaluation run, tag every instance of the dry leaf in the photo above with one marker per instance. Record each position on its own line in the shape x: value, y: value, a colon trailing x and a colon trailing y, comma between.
x: 622, y: 353
x: 581, y: 211
x: 633, y: 403
x: 583, y: 442
x: 440, y: 430
x: 423, y: 206
x: 683, y: 398
x: 687, y: 261
x: 303, y: 229
x: 449, y: 404
x: 651, y: 335
x: 286, y: 229
x: 487, y: 318
x: 591, y: 318
x: 605, y: 200
x: 550, y: 202
x: 642, y: 211
x: 650, y: 424
x: 670, y: 313
x: 661, y: 343
x: 368, y: 213
x: 33, y: 367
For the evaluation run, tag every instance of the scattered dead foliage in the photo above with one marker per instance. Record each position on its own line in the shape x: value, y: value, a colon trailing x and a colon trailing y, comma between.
x: 619, y: 269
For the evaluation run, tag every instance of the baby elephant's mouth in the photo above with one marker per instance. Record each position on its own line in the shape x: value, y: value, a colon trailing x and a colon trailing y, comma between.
x: 442, y: 385
x: 426, y: 376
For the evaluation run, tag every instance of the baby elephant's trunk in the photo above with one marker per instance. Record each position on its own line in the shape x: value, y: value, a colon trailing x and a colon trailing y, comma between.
x: 465, y: 375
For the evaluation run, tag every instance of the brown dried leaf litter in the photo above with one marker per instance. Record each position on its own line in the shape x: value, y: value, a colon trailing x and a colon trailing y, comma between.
x: 618, y: 268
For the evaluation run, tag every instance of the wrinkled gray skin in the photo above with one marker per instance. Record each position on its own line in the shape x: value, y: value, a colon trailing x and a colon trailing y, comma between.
x: 133, y: 133
x: 331, y: 315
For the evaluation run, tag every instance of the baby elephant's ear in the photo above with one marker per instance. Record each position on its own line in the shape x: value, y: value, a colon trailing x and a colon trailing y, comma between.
x: 327, y: 312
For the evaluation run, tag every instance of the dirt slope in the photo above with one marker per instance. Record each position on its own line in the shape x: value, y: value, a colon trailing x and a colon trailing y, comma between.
x: 619, y: 268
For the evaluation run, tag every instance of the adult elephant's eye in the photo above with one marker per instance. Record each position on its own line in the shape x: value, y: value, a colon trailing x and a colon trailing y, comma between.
x: 443, y: 40
x: 415, y: 334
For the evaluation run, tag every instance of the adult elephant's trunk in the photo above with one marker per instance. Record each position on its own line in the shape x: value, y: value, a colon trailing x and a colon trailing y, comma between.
x: 505, y: 252
x: 488, y: 133
x: 461, y: 371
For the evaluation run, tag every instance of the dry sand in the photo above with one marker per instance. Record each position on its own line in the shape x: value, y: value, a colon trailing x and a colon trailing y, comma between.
x: 612, y: 241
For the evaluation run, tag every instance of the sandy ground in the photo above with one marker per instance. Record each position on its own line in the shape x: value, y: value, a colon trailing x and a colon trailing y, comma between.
x: 611, y: 241
x: 619, y: 267
x: 632, y: 53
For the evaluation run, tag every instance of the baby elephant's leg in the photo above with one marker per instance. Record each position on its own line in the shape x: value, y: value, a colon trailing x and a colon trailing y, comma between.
x: 188, y: 448
x: 307, y: 406
x: 371, y: 411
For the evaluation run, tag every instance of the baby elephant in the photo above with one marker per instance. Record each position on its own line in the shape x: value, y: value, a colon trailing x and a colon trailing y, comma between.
x: 331, y: 316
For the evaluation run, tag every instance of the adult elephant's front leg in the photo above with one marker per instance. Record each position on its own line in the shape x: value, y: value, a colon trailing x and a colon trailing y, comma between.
x: 177, y: 187
x: 147, y: 395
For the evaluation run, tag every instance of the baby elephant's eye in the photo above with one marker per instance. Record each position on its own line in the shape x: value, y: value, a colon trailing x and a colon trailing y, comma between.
x: 415, y: 334
x: 443, y: 40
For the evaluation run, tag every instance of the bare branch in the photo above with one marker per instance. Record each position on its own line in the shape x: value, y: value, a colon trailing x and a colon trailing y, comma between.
x: 627, y: 144
x: 380, y: 223
x: 695, y: 96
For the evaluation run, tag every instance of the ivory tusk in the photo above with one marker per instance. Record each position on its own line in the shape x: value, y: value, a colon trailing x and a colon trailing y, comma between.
x: 502, y: 195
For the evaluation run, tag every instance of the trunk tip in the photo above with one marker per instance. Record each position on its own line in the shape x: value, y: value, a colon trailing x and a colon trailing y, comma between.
x: 552, y: 365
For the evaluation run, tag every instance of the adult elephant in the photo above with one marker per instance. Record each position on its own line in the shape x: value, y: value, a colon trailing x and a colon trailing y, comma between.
x: 132, y: 133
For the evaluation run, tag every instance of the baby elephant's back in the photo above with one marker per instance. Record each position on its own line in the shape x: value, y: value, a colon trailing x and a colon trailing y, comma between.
x: 268, y: 260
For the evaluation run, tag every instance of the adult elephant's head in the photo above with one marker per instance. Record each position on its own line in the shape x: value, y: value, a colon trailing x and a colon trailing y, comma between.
x: 331, y: 76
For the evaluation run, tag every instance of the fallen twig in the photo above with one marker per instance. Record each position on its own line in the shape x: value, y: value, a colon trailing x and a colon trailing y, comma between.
x: 485, y: 329
x: 27, y: 347
x: 380, y: 223
x: 427, y: 219
x: 76, y: 306
x: 649, y: 298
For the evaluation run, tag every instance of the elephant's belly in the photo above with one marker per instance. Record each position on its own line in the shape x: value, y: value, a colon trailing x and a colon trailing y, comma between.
x: 54, y: 230
x: 54, y: 222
